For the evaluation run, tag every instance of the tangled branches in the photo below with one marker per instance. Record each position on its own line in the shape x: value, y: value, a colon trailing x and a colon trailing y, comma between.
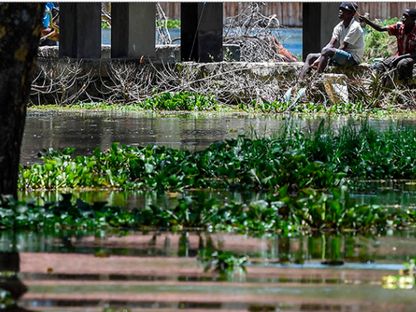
x: 127, y: 82
x: 62, y: 82
x: 115, y: 82
x: 254, y: 33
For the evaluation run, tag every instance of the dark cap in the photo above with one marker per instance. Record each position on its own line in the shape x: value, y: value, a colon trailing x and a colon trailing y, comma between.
x: 411, y: 13
x: 349, y: 6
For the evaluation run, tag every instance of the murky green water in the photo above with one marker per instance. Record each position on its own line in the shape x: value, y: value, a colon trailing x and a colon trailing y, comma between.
x: 88, y: 130
x: 158, y: 271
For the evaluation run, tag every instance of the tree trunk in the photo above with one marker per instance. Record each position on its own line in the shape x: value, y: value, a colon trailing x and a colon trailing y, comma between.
x: 20, y: 25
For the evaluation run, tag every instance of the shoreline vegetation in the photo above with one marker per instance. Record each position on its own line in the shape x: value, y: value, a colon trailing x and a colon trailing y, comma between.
x: 190, y: 102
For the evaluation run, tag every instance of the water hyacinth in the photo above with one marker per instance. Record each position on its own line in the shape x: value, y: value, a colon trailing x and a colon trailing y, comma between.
x: 320, y: 160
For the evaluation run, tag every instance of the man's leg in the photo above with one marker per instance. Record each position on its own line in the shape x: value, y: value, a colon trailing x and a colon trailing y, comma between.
x: 405, y: 68
x: 326, y: 54
x: 312, y: 57
x: 385, y: 71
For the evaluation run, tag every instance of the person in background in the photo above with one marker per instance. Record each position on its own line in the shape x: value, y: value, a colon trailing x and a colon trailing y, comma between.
x: 405, y: 32
x: 49, y: 32
x: 347, y: 35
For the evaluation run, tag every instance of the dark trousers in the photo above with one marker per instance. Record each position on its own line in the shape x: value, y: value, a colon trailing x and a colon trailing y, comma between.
x: 404, y: 67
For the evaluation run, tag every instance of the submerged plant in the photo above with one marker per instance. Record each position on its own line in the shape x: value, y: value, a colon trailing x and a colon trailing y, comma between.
x: 222, y: 261
x: 404, y: 280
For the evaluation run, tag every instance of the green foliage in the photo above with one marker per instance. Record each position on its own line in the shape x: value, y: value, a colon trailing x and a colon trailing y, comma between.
x: 186, y: 101
x: 357, y: 108
x: 105, y: 24
x: 169, y: 23
x: 320, y: 159
x: 379, y: 44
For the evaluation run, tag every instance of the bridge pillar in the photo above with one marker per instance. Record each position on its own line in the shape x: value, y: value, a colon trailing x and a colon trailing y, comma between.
x: 80, y: 30
x: 201, y: 31
x: 319, y: 19
x: 133, y: 29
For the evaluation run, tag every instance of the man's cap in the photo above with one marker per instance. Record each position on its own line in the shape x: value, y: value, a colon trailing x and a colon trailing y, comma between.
x: 349, y: 6
x: 411, y: 12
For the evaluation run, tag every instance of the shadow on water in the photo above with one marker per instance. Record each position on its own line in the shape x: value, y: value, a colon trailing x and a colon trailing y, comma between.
x: 11, y: 287
x: 158, y: 270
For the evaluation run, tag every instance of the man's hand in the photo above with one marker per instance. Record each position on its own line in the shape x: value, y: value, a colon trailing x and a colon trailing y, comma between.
x: 362, y: 19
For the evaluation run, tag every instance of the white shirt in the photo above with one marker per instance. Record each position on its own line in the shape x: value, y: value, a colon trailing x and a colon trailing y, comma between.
x: 353, y: 35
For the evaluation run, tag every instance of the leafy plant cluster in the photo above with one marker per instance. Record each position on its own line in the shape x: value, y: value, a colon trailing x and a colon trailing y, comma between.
x: 184, y: 101
x: 317, y: 159
x: 226, y: 263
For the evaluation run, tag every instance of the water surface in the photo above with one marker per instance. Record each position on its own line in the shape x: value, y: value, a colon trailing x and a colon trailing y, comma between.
x: 160, y: 271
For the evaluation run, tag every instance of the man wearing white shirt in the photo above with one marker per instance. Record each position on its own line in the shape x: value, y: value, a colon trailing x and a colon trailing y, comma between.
x: 348, y: 35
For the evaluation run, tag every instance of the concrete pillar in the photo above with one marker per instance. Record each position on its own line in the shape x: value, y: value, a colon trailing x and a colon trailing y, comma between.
x: 133, y: 29
x: 80, y: 29
x: 319, y: 19
x: 201, y: 31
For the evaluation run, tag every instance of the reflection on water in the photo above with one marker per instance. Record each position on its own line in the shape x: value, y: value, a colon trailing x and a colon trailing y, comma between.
x: 161, y: 271
x: 86, y: 131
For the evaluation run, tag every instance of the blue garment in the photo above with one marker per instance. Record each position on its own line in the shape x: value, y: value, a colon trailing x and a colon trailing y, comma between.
x: 47, y: 16
x: 343, y: 58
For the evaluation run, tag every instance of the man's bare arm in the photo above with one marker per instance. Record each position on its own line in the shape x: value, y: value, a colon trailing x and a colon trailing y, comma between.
x: 372, y: 24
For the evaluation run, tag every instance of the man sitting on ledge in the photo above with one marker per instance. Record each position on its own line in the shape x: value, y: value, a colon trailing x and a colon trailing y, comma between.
x: 350, y: 37
x: 405, y: 32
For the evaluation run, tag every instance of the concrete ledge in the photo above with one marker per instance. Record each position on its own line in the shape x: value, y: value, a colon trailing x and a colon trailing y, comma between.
x: 350, y: 71
x: 167, y: 53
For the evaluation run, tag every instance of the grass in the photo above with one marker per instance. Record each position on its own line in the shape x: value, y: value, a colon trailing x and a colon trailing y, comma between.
x: 194, y: 102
